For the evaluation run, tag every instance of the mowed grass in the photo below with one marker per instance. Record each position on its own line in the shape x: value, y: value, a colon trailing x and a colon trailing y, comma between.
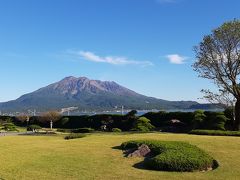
x: 92, y: 157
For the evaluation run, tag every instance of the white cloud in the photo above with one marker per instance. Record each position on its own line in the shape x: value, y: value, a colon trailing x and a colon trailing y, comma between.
x: 115, y: 60
x: 176, y: 58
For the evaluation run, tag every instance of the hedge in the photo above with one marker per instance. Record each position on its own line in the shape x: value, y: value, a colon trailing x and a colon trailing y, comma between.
x: 173, y: 156
x: 82, y: 130
x: 74, y: 136
x: 214, y: 132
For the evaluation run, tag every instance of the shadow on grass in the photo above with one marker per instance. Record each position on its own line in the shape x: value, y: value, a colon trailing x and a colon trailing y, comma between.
x: 117, y: 147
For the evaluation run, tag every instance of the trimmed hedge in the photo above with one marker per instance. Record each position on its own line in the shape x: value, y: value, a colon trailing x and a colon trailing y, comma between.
x: 82, y: 130
x: 116, y: 130
x: 215, y: 132
x: 173, y: 156
x: 74, y: 136
x: 34, y: 127
x: 64, y: 130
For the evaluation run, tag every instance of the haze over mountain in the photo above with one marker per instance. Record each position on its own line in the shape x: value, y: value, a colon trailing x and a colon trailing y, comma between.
x: 89, y: 94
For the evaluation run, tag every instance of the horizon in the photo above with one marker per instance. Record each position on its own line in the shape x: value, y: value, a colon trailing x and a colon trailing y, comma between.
x: 143, y: 45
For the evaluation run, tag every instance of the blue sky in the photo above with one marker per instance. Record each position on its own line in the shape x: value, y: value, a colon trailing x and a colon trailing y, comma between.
x: 145, y: 45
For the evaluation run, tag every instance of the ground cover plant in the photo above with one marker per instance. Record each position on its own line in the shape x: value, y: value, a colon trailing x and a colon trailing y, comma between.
x: 214, y: 132
x: 173, y: 156
x: 93, y: 157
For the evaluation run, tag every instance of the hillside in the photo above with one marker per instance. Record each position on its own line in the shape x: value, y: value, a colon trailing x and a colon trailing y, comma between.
x: 89, y: 95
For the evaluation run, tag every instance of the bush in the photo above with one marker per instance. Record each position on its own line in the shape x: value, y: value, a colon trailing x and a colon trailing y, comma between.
x: 142, y: 124
x: 173, y: 156
x: 220, y: 121
x: 74, y: 136
x: 9, y: 127
x: 215, y: 132
x: 116, y: 130
x: 64, y: 130
x: 63, y: 121
x: 83, y: 130
x: 34, y: 127
x: 198, y: 118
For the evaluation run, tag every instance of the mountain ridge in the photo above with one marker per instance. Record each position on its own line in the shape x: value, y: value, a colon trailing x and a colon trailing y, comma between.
x: 89, y: 94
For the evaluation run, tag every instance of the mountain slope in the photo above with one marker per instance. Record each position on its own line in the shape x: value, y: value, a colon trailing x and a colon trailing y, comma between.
x: 89, y: 94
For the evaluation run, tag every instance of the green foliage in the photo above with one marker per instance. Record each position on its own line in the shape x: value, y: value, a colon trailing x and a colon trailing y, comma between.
x: 132, y: 113
x: 6, y: 119
x: 82, y: 130
x: 215, y: 132
x: 162, y: 118
x: 198, y: 118
x: 74, y: 136
x: 64, y: 130
x: 220, y: 121
x: 34, y: 127
x: 229, y: 113
x: 9, y: 127
x: 116, y: 130
x: 173, y: 156
x: 142, y: 124
x: 63, y: 121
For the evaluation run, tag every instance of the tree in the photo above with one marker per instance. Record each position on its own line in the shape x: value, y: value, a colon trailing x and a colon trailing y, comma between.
x: 9, y: 127
x: 51, y: 117
x: 23, y: 118
x: 142, y: 124
x: 198, y: 118
x: 218, y: 59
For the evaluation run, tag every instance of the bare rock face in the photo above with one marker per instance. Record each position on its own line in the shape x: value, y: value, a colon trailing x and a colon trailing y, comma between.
x: 142, y: 151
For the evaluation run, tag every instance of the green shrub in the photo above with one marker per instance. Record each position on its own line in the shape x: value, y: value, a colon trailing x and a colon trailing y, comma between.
x: 74, y: 136
x: 64, y: 130
x: 83, y: 130
x: 63, y: 121
x: 220, y: 121
x: 142, y: 124
x: 215, y: 132
x: 34, y: 127
x: 198, y: 118
x: 116, y: 130
x: 9, y: 127
x: 173, y: 156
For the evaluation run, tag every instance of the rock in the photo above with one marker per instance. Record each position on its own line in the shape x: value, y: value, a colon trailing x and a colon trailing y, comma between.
x: 142, y: 151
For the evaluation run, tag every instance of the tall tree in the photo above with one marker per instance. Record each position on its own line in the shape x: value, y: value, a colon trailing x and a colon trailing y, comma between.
x: 218, y: 59
x: 51, y: 117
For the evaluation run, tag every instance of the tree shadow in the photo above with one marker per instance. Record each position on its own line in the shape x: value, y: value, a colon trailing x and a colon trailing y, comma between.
x: 117, y: 147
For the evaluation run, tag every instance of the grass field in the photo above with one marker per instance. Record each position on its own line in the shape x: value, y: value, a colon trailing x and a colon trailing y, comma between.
x: 92, y: 157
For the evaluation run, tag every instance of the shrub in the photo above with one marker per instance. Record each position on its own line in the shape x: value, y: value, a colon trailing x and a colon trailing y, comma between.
x: 142, y: 124
x: 83, y: 130
x: 198, y: 118
x: 9, y: 127
x: 215, y: 132
x: 220, y: 121
x: 34, y: 127
x: 63, y: 121
x: 64, y: 130
x: 173, y: 156
x: 74, y: 136
x: 116, y: 130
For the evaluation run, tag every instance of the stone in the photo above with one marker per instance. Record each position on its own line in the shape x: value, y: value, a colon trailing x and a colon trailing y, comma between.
x: 142, y: 151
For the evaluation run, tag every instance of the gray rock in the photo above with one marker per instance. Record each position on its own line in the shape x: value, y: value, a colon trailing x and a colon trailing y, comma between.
x: 142, y: 151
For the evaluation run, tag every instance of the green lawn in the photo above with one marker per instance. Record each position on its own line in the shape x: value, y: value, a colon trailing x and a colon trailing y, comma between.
x: 92, y: 157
